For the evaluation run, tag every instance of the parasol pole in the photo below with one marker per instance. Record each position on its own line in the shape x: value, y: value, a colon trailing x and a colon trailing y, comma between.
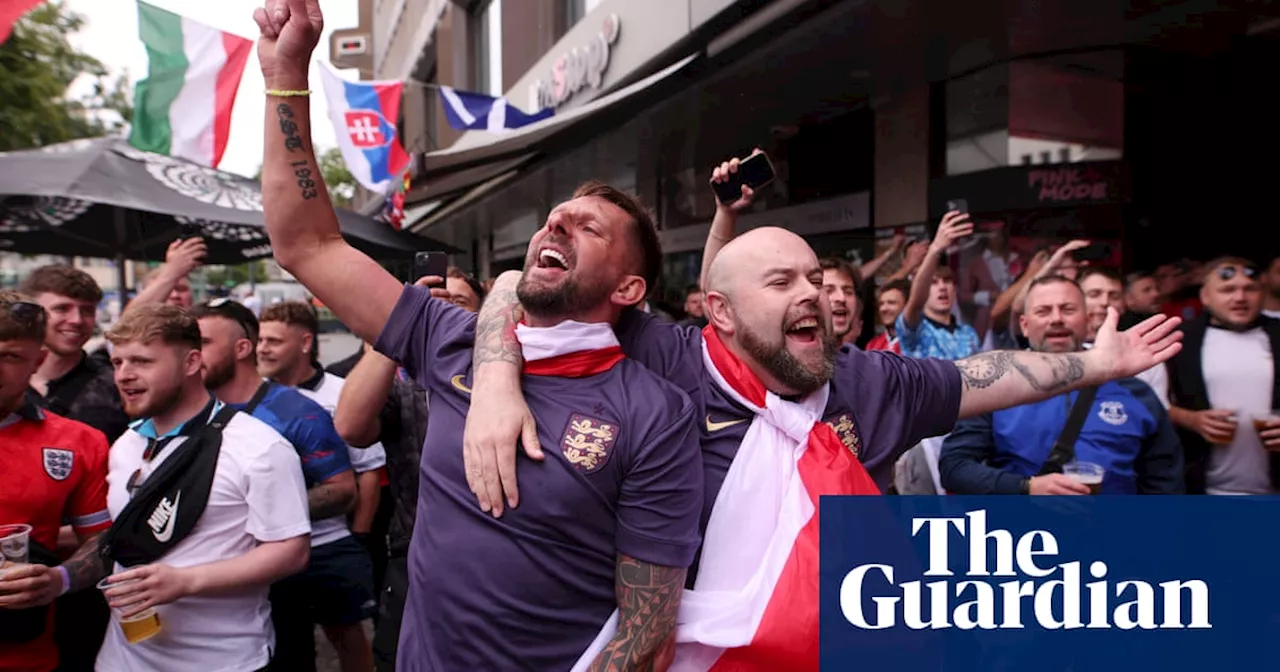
x: 121, y: 280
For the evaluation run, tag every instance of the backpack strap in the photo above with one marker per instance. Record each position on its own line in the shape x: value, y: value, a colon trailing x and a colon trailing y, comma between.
x: 1064, y: 449
x: 258, y: 397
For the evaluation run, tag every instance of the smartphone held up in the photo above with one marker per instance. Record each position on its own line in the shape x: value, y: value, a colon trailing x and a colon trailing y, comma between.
x: 754, y: 172
x: 430, y: 263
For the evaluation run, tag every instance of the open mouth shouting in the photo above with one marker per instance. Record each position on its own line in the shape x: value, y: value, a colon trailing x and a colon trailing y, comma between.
x: 804, y: 331
x: 552, y: 260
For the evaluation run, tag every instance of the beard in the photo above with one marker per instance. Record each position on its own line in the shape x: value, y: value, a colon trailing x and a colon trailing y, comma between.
x: 569, y: 298
x: 158, y: 401
x: 786, y: 367
x: 217, y: 376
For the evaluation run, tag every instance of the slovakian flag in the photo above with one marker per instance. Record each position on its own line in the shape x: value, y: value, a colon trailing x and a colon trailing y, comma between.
x: 754, y: 604
x: 183, y: 107
x: 10, y: 12
x: 364, y: 116
x: 468, y: 111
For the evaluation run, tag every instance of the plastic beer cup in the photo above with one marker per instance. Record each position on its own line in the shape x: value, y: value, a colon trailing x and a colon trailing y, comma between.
x: 1086, y: 473
x: 1264, y: 421
x: 136, y: 628
x: 15, y: 544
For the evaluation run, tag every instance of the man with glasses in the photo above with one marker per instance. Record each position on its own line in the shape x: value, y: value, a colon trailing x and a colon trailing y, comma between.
x: 51, y: 468
x: 230, y: 334
x: 209, y: 586
x: 1225, y: 376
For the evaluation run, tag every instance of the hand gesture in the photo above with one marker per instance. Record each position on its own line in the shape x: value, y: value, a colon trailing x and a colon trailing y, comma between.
x: 147, y: 586
x: 290, y: 31
x: 1271, y: 435
x: 1037, y: 263
x: 1216, y: 425
x: 899, y: 242
x: 498, y: 419
x: 26, y: 586
x: 1124, y: 354
x: 436, y: 283
x: 1061, y: 255
x: 955, y: 225
x: 185, y: 255
x: 722, y: 173
x: 915, y: 254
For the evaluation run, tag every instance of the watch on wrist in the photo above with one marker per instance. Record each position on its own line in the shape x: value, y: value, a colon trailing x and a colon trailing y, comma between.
x: 1026, y: 486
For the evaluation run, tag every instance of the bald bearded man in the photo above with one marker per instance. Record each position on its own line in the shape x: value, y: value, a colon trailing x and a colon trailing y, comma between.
x: 764, y: 370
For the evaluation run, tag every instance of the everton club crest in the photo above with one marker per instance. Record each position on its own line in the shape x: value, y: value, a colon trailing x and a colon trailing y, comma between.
x: 587, y: 442
x: 58, y: 462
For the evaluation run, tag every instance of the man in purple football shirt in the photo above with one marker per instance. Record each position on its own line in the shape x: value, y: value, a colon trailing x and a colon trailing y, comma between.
x: 880, y: 405
x: 615, y: 526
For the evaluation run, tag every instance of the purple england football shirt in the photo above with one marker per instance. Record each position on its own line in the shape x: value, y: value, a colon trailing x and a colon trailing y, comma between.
x: 881, y: 404
x: 623, y: 474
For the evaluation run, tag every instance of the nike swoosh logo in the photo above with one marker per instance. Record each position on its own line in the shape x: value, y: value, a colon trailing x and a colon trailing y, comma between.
x: 456, y: 381
x: 717, y: 426
x: 166, y: 532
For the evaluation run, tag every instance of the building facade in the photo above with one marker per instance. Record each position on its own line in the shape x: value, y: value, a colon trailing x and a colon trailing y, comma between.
x: 1052, y: 121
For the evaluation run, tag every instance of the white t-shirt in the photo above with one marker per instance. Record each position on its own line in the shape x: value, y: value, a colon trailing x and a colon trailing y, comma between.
x: 325, y: 390
x: 1238, y: 373
x: 258, y: 495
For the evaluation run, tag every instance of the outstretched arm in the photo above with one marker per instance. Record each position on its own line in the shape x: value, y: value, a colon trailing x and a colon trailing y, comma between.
x: 300, y: 219
x: 1005, y: 378
x: 648, y: 600
x: 726, y: 219
x: 498, y: 418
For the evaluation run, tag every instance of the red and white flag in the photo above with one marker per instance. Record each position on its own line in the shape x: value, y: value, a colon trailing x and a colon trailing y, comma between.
x: 754, y: 606
x: 10, y: 12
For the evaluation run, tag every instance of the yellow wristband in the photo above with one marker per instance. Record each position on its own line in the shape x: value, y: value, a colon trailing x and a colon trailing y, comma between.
x: 286, y: 93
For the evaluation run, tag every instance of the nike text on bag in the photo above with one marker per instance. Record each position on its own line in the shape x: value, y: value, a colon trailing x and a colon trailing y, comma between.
x: 169, y: 503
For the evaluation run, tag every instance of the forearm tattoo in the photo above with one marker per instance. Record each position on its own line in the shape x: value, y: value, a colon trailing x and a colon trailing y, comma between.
x: 496, y: 329
x: 86, y: 567
x: 1044, y: 372
x: 648, y: 600
x: 303, y: 171
x: 325, y: 500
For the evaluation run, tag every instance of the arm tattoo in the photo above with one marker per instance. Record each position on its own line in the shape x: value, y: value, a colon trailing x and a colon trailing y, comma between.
x: 86, y: 568
x: 648, y: 599
x: 293, y: 142
x: 1056, y: 371
x: 496, y: 329
x: 325, y: 500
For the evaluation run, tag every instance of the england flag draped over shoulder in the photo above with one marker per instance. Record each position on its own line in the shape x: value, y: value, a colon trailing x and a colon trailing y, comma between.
x: 467, y: 111
x: 364, y: 116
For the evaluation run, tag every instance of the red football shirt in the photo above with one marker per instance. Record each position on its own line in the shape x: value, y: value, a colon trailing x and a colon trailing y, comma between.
x: 51, y: 469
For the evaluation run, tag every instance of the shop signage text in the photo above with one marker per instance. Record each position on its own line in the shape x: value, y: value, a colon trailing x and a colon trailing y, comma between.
x: 582, y: 67
x: 1069, y: 185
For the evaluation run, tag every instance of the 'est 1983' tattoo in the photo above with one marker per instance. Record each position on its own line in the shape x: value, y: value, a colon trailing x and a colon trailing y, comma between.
x: 293, y: 142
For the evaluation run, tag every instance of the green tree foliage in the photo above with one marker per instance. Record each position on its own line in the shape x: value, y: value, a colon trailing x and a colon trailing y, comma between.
x: 39, y: 66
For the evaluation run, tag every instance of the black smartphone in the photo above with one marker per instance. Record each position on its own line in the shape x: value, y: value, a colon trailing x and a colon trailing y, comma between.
x: 755, y: 171
x: 188, y: 230
x: 430, y: 263
x: 959, y: 205
x: 1093, y: 252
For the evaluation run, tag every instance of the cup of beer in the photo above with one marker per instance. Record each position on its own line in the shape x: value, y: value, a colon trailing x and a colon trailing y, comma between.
x: 15, y: 545
x: 138, y: 627
x: 1264, y: 421
x: 1235, y: 424
x: 1086, y: 473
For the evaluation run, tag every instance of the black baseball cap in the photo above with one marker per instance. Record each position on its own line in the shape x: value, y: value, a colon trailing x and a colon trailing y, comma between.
x: 232, y: 310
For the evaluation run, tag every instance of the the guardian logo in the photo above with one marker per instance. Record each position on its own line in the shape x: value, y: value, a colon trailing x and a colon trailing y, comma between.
x: 1050, y: 593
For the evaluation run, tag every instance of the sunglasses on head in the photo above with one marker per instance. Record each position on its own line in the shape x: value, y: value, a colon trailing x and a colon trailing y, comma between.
x: 215, y: 304
x: 23, y: 312
x: 1228, y: 272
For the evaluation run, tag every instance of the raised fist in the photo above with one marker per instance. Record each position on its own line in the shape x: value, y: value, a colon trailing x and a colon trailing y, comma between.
x: 290, y: 31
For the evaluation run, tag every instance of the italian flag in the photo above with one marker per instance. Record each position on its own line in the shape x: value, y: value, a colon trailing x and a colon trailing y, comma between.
x: 183, y: 107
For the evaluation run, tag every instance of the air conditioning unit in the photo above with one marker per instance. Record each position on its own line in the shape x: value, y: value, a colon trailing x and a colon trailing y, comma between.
x: 356, y: 45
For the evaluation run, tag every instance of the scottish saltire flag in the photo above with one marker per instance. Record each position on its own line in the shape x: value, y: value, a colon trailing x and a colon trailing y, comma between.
x: 364, y: 116
x: 468, y: 111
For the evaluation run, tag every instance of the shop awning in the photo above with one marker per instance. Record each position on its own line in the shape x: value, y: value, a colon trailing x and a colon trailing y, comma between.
x: 471, y: 196
x: 484, y: 149
x: 436, y: 188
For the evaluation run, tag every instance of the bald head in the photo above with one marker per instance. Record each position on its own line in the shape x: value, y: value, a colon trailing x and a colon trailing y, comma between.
x: 757, y: 253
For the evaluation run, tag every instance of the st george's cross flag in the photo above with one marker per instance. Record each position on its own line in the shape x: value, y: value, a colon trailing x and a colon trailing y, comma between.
x: 10, y: 12
x: 754, y: 604
x: 364, y: 116
x: 183, y: 107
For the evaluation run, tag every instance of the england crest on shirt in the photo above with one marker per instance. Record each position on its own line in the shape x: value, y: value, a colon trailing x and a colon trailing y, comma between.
x: 58, y: 463
x: 1113, y: 413
x: 587, y: 442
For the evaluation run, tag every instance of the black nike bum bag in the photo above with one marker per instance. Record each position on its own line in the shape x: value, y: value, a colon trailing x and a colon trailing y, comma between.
x: 169, y: 503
